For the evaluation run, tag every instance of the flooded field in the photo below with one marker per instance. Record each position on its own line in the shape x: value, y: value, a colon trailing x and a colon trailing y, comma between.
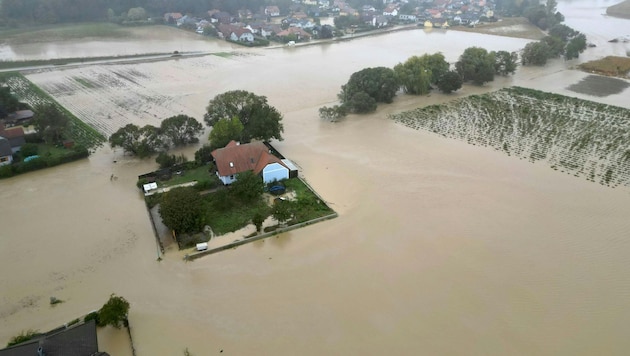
x: 440, y: 247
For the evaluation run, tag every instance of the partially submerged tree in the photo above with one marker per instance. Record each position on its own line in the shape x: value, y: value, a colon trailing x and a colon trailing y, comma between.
x: 332, y: 113
x: 181, y: 129
x: 50, y: 122
x: 476, y: 65
x: 182, y: 210
x: 414, y: 76
x: 260, y: 120
x: 535, y: 53
x: 141, y: 142
x: 505, y: 62
x: 114, y: 312
x: 450, y: 82
x: 378, y: 83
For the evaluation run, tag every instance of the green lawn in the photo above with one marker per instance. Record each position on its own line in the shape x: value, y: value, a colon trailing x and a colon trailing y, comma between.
x: 199, y: 174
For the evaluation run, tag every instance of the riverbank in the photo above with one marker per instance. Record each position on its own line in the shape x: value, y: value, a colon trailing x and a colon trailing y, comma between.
x: 621, y: 9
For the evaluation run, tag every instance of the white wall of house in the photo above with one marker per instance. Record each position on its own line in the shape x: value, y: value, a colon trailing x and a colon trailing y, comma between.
x: 274, y: 171
x: 227, y: 179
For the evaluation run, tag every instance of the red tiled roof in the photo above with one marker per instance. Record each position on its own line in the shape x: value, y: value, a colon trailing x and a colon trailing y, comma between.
x: 234, y: 158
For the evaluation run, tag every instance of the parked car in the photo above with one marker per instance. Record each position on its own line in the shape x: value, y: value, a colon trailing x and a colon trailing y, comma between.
x: 277, y: 190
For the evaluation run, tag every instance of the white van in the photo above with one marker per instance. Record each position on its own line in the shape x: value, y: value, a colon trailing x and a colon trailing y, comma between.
x: 202, y: 246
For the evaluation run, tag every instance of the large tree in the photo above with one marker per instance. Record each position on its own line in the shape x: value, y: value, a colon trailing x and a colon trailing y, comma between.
x: 476, y: 65
x: 260, y: 120
x: 182, y: 210
x: 114, y: 312
x: 505, y: 62
x: 450, y: 82
x: 575, y: 46
x: 379, y: 83
x: 181, y: 129
x: 225, y: 131
x: 535, y: 53
x: 141, y: 142
x: 414, y: 76
x: 8, y: 102
x: 50, y: 122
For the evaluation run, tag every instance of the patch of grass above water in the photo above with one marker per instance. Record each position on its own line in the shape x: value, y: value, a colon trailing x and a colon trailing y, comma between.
x: 65, y: 32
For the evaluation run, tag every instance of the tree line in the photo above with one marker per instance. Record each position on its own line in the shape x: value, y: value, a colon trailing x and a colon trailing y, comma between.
x: 418, y: 75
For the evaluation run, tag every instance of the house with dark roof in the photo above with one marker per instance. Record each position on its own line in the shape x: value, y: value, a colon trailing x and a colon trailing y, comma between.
x: 6, y: 153
x: 79, y: 340
x: 19, y: 117
x: 237, y: 158
x: 15, y: 136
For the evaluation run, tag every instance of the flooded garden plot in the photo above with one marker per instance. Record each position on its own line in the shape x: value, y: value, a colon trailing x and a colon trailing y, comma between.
x: 575, y: 136
x: 27, y: 92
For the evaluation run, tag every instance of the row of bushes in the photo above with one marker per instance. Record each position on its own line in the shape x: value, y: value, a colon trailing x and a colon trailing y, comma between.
x: 77, y: 153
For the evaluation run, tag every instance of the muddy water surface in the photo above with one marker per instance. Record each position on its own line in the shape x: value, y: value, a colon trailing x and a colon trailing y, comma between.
x: 440, y: 247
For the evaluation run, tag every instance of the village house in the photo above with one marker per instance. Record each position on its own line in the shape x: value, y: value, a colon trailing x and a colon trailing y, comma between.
x: 237, y: 158
x: 14, y: 135
x: 172, y: 17
x: 299, y: 33
x: 6, y: 153
x: 272, y: 11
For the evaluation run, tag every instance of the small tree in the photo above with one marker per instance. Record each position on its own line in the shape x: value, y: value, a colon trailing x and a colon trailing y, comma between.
x: 476, y: 65
x: 575, y: 46
x: 282, y: 211
x: 203, y: 155
x: 332, y: 113
x: 258, y: 219
x: 505, y: 63
x: 248, y: 187
x: 181, y: 129
x: 535, y: 53
x: 114, y: 312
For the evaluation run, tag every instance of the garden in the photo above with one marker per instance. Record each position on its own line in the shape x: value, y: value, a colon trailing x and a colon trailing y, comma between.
x: 578, y: 137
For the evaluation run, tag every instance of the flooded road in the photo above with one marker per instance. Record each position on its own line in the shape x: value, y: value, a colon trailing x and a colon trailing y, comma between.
x: 440, y: 247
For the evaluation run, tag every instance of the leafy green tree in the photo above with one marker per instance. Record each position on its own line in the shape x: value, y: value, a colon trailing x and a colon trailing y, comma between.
x: 505, y: 63
x: 141, y: 142
x: 437, y: 64
x: 29, y: 149
x: 8, y: 102
x: 137, y: 14
x: 182, y: 210
x: 165, y: 160
x: 50, y: 122
x: 248, y: 187
x: 332, y: 113
x: 535, y: 53
x: 114, y: 312
x: 476, y: 65
x: 225, y: 131
x: 414, y: 76
x: 258, y: 219
x: 563, y: 32
x: 326, y: 31
x: 181, y: 129
x: 282, y: 211
x: 362, y: 103
x: 260, y: 120
x: 556, y: 46
x: 450, y: 82
x: 575, y: 46
x: 378, y: 82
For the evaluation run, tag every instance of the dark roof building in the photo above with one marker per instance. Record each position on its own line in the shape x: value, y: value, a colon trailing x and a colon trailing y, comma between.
x: 78, y: 340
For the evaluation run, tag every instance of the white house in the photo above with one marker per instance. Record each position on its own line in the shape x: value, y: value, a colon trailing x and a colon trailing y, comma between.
x: 242, y: 35
x: 255, y: 156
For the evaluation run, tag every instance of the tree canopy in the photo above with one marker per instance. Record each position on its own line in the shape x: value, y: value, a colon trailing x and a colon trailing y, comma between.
x: 114, y: 312
x: 181, y: 130
x: 378, y: 83
x: 182, y: 210
x: 248, y: 187
x: 50, y: 122
x: 260, y: 120
x: 141, y: 142
x: 414, y: 76
x: 476, y: 65
x: 225, y: 131
x: 505, y: 63
x: 450, y: 82
x: 8, y: 102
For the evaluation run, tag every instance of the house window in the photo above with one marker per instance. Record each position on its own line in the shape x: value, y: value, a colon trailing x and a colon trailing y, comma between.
x: 232, y: 177
x: 4, y: 159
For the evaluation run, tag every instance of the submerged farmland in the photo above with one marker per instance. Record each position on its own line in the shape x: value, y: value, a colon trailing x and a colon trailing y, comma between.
x: 576, y: 136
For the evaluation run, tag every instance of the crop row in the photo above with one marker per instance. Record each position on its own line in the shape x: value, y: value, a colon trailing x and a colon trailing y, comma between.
x: 29, y: 93
x: 575, y: 136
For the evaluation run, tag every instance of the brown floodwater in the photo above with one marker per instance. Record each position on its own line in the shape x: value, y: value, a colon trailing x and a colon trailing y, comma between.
x: 440, y: 247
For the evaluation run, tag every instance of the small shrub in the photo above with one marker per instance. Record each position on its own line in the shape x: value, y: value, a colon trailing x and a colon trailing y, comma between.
x: 91, y: 316
x: 22, y: 337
